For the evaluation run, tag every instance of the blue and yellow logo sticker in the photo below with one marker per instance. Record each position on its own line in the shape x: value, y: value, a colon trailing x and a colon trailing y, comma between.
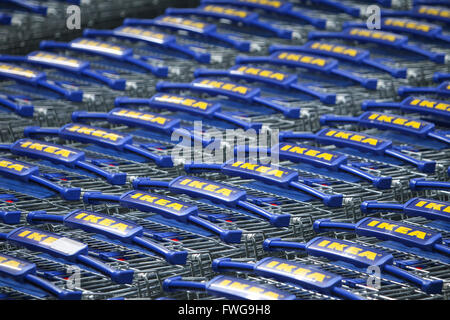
x: 226, y: 11
x: 266, y: 3
x: 263, y: 74
x: 432, y: 209
x: 353, y: 139
x: 433, y: 11
x: 395, y: 121
x: 207, y: 189
x: 420, y: 103
x: 104, y: 224
x: 291, y: 271
x: 184, y: 23
x: 185, y: 103
x: 14, y: 266
x: 409, y: 25
x: 379, y: 36
x: 227, y: 88
x: 101, y: 47
x: 47, y: 242
x: 52, y: 59
x: 337, y: 50
x: 45, y: 150
x: 308, y: 154
x: 19, y: 72
x: 408, y: 232
x: 336, y: 249
x: 16, y: 168
x: 87, y: 133
x: 150, y: 202
x: 304, y: 60
x: 143, y: 34
x: 236, y: 288
x: 271, y: 174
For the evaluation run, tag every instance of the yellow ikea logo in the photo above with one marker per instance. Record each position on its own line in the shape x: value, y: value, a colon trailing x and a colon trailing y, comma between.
x: 244, y: 287
x: 259, y: 168
x: 353, y: 137
x: 7, y: 68
x: 37, y: 236
x: 395, y: 120
x: 158, y: 201
x: 398, y: 229
x: 433, y: 206
x: 46, y: 148
x: 188, y: 102
x: 148, y: 117
x: 53, y: 58
x: 185, y: 22
x: 433, y: 11
x: 407, y: 24
x: 12, y: 166
x: 296, y: 270
x: 438, y: 105
x: 308, y: 152
x: 348, y: 249
x: 265, y: 73
x: 89, y: 131
x: 102, y: 221
x: 227, y: 11
x: 224, y: 86
x: 385, y: 36
x: 10, y: 263
x: 206, y: 186
x: 142, y: 32
x: 97, y: 45
x: 335, y: 48
x: 289, y: 56
x: 268, y: 3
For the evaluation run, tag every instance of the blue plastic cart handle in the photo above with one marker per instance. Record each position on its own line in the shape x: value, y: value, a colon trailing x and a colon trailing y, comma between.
x: 305, y: 276
x: 438, y: 14
x: 66, y: 156
x: 25, y: 172
x: 28, y: 6
x: 279, y: 7
x: 267, y: 76
x: 390, y: 230
x: 381, y: 38
x: 192, y: 105
x: 192, y: 26
x: 442, y: 90
x: 68, y: 64
x: 238, y: 16
x: 341, y: 52
x: 25, y: 271
x: 150, y: 38
x: 99, y: 136
x: 353, y: 253
x: 5, y: 19
x: 105, y: 49
x: 215, y: 192
x: 409, y: 26
x: 310, y: 62
x: 36, y: 79
x: 111, y: 227
x: 231, y: 90
x: 441, y: 76
x: 10, y: 217
x: 21, y: 110
x: 422, y: 184
x: 384, y: 121
x: 228, y: 287
x: 359, y: 141
x: 169, y: 208
x: 64, y: 248
x: 427, y: 208
x: 428, y: 106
